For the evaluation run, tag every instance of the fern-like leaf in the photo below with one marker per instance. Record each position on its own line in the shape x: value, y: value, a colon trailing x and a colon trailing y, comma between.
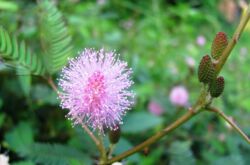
x: 18, y: 53
x: 56, y: 41
x: 57, y: 154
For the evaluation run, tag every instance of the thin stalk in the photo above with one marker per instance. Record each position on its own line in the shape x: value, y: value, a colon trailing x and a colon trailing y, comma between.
x: 52, y: 84
x: 103, y: 158
x: 92, y: 136
x: 111, y: 149
x: 234, y: 40
x: 229, y: 121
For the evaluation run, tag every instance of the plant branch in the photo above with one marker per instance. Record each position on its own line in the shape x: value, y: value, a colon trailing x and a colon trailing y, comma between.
x: 229, y: 121
x: 188, y: 115
x: 243, y: 22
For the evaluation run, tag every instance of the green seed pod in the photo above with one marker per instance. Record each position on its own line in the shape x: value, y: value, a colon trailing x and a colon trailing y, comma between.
x: 219, y: 44
x: 217, y: 87
x: 206, y: 71
x: 114, y: 135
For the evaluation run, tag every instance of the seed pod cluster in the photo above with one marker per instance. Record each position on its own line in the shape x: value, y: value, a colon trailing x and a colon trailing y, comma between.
x: 206, y: 70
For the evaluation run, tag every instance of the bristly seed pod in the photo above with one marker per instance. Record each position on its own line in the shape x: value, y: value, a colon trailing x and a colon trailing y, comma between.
x: 206, y: 71
x: 217, y: 87
x: 114, y: 135
x: 219, y: 44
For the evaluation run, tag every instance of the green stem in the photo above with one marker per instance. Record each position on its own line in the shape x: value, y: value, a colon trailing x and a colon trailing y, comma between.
x: 103, y: 158
x: 231, y: 122
x: 111, y: 149
x: 234, y: 40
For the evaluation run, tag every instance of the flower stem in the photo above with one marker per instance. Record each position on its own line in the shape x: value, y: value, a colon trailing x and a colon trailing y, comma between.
x: 111, y: 149
x: 243, y: 22
x: 92, y: 136
x: 103, y: 157
x: 52, y: 84
x: 231, y: 122
x: 98, y: 143
x: 188, y: 115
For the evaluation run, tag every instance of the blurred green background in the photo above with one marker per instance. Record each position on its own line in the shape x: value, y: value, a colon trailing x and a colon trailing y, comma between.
x: 163, y: 41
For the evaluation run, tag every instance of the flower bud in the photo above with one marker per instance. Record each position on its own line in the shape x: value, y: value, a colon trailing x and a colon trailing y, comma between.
x: 217, y: 87
x: 206, y: 71
x: 114, y: 135
x: 219, y: 44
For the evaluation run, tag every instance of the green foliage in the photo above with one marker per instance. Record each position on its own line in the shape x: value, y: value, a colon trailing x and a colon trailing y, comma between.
x: 18, y: 53
x: 11, y: 6
x: 135, y: 118
x: 180, y: 153
x: 56, y: 154
x: 56, y: 41
x: 20, y: 139
x: 23, y: 163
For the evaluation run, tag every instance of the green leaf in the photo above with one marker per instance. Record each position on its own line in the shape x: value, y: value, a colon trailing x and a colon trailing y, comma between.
x: 20, y: 138
x: 79, y: 137
x: 24, y: 80
x: 124, y: 145
x: 11, y: 6
x: 44, y: 95
x: 23, y: 163
x: 140, y: 121
x: 18, y: 54
x: 180, y: 153
x: 56, y: 40
x: 229, y: 160
x: 57, y: 154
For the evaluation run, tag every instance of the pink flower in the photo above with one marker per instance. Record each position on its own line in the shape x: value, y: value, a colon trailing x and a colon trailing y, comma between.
x: 155, y: 108
x: 201, y: 40
x: 179, y: 96
x: 190, y: 61
x: 96, y: 89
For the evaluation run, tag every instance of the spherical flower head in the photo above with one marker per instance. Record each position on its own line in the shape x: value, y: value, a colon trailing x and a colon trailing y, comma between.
x: 179, y: 96
x: 155, y: 108
x: 201, y: 40
x: 95, y: 88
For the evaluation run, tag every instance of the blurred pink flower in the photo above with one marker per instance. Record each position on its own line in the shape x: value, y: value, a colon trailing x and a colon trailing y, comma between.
x: 179, y: 96
x: 155, y: 108
x: 201, y: 40
x: 95, y: 89
x: 243, y: 53
x: 190, y: 61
